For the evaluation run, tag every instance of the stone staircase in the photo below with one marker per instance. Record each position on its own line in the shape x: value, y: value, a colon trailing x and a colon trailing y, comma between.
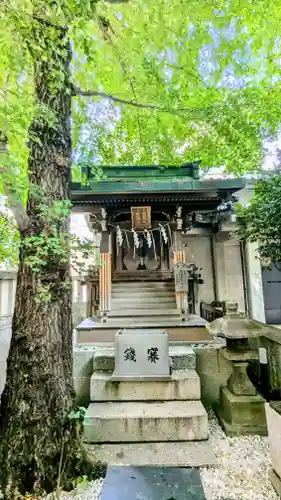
x: 148, y: 422
x: 144, y: 304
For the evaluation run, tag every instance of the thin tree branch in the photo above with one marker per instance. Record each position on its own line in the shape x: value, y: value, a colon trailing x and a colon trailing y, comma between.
x: 106, y: 28
x: 165, y: 63
x: 48, y: 23
x: 76, y: 91
x: 19, y: 214
x: 7, y: 219
x: 183, y: 68
x: 13, y: 92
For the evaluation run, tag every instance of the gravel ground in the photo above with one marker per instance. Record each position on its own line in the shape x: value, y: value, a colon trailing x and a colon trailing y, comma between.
x: 242, y: 472
x: 243, y: 465
x: 91, y: 492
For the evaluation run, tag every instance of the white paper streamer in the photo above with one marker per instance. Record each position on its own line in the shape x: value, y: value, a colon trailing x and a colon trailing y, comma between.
x: 136, y: 239
x: 148, y: 238
x: 163, y: 233
x: 119, y: 236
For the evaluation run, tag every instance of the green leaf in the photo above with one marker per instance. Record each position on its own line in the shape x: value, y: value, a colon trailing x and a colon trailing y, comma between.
x: 78, y: 414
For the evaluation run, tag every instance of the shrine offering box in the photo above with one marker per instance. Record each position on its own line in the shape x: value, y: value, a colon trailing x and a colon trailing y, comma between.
x: 141, y: 355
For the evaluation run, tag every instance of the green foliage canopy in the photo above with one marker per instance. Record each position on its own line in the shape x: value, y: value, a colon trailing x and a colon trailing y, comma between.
x: 260, y: 221
x: 154, y: 82
x: 212, y: 67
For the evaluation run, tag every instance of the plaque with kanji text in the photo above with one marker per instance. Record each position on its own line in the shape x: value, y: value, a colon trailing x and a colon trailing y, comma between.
x: 141, y: 217
x: 141, y: 355
x: 182, y: 274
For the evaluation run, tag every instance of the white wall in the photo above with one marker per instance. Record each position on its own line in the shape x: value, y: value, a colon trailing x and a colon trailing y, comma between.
x: 7, y: 292
x: 229, y: 277
x: 253, y: 268
x: 198, y: 251
x: 227, y: 264
x: 255, y: 289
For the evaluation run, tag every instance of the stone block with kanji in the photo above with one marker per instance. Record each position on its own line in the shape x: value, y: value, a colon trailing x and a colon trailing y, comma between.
x: 141, y: 355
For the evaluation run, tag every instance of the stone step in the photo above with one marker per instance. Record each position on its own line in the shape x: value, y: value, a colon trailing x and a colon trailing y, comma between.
x: 144, y: 284
x: 169, y: 454
x: 142, y: 422
x: 182, y: 358
x: 136, y: 294
x: 140, y: 291
x: 135, y: 303
x: 144, y: 322
x: 143, y: 293
x: 143, y: 289
x: 114, y: 313
x: 152, y: 277
x: 184, y: 386
x: 149, y: 306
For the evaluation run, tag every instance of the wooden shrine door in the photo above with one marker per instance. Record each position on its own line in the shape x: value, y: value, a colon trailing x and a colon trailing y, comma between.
x: 146, y: 258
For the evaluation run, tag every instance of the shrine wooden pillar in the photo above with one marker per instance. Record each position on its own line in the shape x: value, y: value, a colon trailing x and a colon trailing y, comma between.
x: 181, y: 296
x: 105, y: 277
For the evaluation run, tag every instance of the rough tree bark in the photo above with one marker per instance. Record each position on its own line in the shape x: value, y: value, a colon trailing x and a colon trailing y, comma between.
x: 39, y: 444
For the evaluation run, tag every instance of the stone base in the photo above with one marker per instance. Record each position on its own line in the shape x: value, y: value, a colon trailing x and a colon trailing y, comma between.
x: 184, y: 385
x: 142, y: 421
x: 169, y: 454
x: 234, y: 430
x: 241, y: 415
x: 140, y: 378
x: 182, y: 357
x: 275, y: 481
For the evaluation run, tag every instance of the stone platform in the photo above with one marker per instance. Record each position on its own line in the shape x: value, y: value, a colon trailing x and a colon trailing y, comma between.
x: 182, y: 357
x: 144, y: 422
x: 144, y: 305
x: 163, y: 454
x: 240, y: 415
x: 96, y: 331
x: 184, y: 386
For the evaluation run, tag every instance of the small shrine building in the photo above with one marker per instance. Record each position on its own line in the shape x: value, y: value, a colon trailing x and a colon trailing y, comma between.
x: 166, y: 248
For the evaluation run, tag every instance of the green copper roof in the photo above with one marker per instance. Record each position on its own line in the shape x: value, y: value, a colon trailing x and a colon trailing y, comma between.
x: 150, y: 179
x: 124, y: 173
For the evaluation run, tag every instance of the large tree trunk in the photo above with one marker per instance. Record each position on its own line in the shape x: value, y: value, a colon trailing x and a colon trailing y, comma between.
x: 39, y: 444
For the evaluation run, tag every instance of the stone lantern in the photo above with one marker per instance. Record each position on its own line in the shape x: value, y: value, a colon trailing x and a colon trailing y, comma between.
x: 241, y: 409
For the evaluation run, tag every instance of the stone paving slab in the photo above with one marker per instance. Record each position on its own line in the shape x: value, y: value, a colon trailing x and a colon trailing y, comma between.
x: 168, y: 454
x: 152, y: 483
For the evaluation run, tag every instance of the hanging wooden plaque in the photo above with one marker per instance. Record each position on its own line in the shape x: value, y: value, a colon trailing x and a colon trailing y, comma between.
x: 182, y: 274
x: 141, y: 217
